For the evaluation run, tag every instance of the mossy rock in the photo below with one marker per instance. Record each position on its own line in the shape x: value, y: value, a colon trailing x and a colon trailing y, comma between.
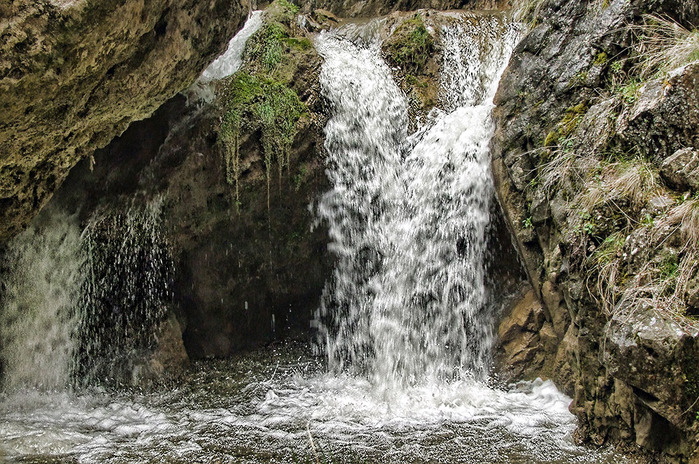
x: 410, y: 46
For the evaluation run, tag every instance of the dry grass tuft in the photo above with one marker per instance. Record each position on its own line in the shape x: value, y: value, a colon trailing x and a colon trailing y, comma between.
x: 633, y: 181
x: 662, y: 283
x: 606, y: 264
x: 566, y: 169
x: 663, y: 45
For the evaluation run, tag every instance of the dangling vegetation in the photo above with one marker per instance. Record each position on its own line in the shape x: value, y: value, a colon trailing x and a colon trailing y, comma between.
x: 258, y: 103
x: 260, y: 96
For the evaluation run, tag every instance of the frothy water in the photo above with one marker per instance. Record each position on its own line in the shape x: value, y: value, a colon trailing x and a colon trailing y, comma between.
x: 277, y: 406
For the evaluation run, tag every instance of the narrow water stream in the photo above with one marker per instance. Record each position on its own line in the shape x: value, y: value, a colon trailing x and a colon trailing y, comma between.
x: 400, y: 372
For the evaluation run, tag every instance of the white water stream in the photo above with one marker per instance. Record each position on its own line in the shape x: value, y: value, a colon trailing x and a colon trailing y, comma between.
x: 407, y: 215
x: 404, y: 320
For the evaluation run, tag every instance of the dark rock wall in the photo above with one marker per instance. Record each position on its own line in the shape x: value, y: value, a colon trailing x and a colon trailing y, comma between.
x: 582, y: 142
x: 74, y: 74
x: 249, y: 266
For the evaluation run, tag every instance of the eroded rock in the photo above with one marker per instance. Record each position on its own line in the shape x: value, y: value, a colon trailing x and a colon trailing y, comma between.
x: 75, y: 74
x: 681, y: 169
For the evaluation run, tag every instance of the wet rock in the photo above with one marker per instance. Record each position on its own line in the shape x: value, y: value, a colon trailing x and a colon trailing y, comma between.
x: 519, y: 337
x: 168, y: 359
x: 665, y: 117
x: 556, y: 104
x: 657, y: 358
x: 552, y: 300
x: 249, y: 267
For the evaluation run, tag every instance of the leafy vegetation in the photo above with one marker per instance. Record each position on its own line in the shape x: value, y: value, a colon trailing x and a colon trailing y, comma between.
x: 259, y: 103
x: 260, y: 96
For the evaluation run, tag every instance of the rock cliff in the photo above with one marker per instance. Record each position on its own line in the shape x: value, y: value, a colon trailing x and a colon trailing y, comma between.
x: 74, y: 74
x: 598, y: 126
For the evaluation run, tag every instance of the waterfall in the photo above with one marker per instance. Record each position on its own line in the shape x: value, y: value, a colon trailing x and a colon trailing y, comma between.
x: 80, y: 305
x: 229, y: 62
x: 407, y: 215
x: 38, y: 320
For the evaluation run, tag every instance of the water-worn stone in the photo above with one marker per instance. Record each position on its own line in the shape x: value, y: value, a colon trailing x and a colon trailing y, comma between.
x: 657, y: 358
x: 75, y: 74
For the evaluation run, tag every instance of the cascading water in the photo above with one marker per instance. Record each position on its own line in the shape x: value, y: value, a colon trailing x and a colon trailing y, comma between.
x: 81, y: 306
x: 229, y: 62
x: 404, y: 318
x: 38, y: 320
x: 407, y: 216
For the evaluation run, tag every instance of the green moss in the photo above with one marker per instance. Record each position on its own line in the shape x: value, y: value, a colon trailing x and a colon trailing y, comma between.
x: 571, y: 119
x: 281, y: 11
x: 565, y: 127
x: 267, y: 45
x: 259, y: 103
x: 299, y: 43
x: 600, y: 59
x: 410, y: 46
x: 551, y: 139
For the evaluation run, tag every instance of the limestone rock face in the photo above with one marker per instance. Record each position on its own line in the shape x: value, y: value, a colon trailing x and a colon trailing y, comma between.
x: 665, y: 117
x: 592, y: 165
x: 74, y: 74
x: 681, y: 170
x: 248, y: 267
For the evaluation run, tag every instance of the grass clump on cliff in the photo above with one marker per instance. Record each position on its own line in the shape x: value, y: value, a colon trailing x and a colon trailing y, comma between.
x: 259, y: 103
x: 662, y: 45
x: 410, y: 46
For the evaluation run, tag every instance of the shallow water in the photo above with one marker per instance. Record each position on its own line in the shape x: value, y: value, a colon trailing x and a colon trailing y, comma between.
x: 278, y: 405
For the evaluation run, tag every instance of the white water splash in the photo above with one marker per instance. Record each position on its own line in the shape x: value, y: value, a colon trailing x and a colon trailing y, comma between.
x: 363, y: 140
x: 475, y: 55
x: 229, y: 62
x: 407, y: 300
x: 82, y: 302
